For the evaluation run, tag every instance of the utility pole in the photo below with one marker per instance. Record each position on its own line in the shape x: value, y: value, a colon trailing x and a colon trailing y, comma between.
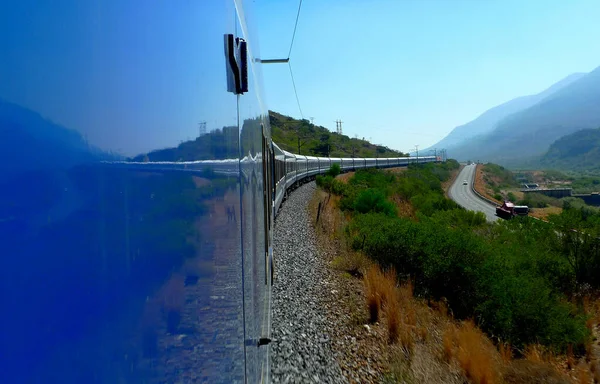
x: 312, y: 119
x: 299, y: 138
x: 338, y: 126
x: 298, y: 134
x: 417, y: 149
x: 201, y: 128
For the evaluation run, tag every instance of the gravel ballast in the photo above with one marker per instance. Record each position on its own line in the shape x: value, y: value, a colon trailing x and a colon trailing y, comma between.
x: 301, y: 349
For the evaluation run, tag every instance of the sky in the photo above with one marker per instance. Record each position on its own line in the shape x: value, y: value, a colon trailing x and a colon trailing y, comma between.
x: 128, y: 76
x: 406, y: 72
x: 132, y: 77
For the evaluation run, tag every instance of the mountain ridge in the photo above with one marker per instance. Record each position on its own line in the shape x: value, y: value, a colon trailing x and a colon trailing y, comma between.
x: 527, y: 134
x: 487, y: 121
x: 579, y: 150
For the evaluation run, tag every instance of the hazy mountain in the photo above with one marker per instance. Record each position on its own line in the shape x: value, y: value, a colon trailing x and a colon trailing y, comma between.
x: 30, y: 142
x: 487, y: 121
x: 579, y: 150
x: 528, y: 133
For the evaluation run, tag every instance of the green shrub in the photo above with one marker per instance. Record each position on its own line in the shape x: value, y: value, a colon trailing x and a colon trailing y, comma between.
x: 324, y: 182
x: 522, y: 309
x: 334, y: 170
x: 498, y: 197
x: 429, y: 203
x: 459, y: 217
x: 373, y: 200
x: 512, y: 277
x: 537, y: 200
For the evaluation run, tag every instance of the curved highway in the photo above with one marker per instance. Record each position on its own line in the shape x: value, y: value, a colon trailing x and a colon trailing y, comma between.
x: 465, y: 197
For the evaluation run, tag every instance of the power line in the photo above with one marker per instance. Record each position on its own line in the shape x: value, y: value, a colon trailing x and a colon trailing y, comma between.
x: 295, y: 26
x: 295, y: 92
x: 270, y: 61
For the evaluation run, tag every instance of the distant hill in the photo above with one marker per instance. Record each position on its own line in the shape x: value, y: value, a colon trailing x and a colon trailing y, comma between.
x: 223, y: 143
x: 487, y: 121
x: 29, y: 142
x: 319, y: 141
x: 528, y: 134
x: 579, y: 151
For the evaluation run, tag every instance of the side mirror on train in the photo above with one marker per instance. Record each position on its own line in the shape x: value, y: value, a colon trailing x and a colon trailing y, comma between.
x: 236, y: 55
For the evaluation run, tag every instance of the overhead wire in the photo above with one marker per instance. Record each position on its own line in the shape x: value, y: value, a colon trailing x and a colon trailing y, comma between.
x: 288, y: 60
x: 295, y: 91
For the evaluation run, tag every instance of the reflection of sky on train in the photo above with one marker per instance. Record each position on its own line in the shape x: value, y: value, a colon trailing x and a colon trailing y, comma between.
x: 132, y: 265
x: 141, y: 78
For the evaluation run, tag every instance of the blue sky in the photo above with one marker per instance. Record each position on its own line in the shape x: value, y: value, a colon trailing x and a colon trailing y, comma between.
x: 134, y: 77
x: 128, y: 76
x: 406, y: 72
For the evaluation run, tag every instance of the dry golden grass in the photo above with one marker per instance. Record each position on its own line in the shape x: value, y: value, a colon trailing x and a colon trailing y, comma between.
x: 476, y: 355
x: 407, y: 339
x: 526, y: 372
x: 570, y: 358
x: 542, y: 213
x: 441, y: 307
x: 480, y: 184
x: 448, y: 344
x: 583, y: 374
x: 534, y: 353
x: 381, y: 291
x: 589, y: 351
x: 407, y: 302
x: 505, y: 352
x: 344, y: 177
x: 396, y: 170
x: 423, y: 334
x: 392, y: 314
x: 405, y: 208
x: 373, y: 304
x: 352, y: 262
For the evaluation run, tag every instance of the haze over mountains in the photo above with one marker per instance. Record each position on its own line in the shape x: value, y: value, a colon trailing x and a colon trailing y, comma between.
x: 579, y: 150
x: 522, y: 129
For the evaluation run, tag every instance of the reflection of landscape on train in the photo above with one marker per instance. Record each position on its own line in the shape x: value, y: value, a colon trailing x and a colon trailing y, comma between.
x: 123, y: 273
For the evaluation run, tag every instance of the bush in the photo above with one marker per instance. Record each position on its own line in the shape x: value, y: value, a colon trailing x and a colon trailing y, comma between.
x: 324, y: 182
x: 511, y: 277
x: 522, y: 309
x: 459, y: 217
x: 334, y: 170
x: 537, y: 200
x: 373, y: 200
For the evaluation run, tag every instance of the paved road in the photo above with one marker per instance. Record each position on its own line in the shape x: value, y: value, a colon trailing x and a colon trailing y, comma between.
x: 465, y: 197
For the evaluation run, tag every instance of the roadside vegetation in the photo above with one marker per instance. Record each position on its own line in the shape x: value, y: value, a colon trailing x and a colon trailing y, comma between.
x: 512, y: 288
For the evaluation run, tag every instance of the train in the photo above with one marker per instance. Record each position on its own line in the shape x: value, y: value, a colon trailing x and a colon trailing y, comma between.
x: 290, y: 170
x: 140, y: 185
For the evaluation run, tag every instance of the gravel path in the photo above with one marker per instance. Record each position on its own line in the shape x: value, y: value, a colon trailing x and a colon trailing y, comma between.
x: 301, y: 351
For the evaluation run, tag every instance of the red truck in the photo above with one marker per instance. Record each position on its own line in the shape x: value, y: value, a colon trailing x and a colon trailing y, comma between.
x: 508, y: 210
